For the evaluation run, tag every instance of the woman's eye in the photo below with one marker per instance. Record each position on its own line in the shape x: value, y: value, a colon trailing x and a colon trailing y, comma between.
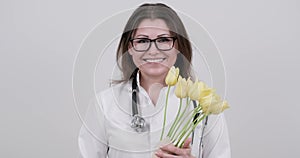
x: 164, y: 39
x: 142, y: 41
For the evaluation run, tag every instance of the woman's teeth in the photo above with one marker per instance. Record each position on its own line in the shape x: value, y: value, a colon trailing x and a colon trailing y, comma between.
x: 154, y: 60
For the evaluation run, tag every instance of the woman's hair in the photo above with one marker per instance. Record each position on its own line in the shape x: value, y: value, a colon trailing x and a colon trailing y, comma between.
x: 154, y: 11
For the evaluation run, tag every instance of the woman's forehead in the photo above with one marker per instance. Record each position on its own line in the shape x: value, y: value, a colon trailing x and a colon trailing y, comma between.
x: 153, y: 25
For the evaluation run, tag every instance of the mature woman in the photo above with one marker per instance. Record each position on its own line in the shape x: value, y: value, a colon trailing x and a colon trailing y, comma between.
x: 126, y: 119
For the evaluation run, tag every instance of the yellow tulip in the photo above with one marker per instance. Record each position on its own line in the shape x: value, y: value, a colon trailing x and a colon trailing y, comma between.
x: 207, y: 101
x: 189, y: 83
x: 225, y: 106
x: 202, y: 85
x: 181, y: 89
x: 172, y: 76
x: 206, y: 92
x: 212, y: 104
x: 194, y: 91
x: 215, y: 108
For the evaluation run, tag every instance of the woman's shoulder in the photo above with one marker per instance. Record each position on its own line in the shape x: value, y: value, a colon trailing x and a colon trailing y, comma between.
x: 115, y: 89
x: 114, y: 95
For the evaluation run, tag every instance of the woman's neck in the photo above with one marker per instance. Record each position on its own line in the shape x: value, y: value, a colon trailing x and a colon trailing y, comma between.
x: 152, y: 85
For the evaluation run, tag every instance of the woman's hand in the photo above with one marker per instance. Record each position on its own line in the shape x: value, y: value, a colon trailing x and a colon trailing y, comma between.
x: 170, y: 151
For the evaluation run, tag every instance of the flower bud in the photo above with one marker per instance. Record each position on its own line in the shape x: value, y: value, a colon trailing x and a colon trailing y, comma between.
x: 212, y: 104
x: 206, y: 92
x: 194, y: 91
x: 172, y: 76
x: 225, y: 106
x: 181, y: 88
x: 189, y: 83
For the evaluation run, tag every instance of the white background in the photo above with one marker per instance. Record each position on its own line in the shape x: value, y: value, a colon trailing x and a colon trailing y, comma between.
x: 39, y: 40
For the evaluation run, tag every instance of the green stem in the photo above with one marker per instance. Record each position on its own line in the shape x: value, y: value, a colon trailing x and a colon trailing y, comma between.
x: 165, y: 114
x: 176, y: 119
x: 171, y: 135
x: 191, y: 130
x: 187, y: 125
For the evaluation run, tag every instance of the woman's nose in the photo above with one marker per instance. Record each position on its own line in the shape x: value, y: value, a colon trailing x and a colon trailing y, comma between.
x: 153, y: 49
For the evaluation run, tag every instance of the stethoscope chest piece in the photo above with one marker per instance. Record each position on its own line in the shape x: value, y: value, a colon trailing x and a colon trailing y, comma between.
x: 138, y: 123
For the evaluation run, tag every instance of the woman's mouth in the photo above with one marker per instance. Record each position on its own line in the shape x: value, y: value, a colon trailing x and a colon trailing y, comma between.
x: 156, y: 60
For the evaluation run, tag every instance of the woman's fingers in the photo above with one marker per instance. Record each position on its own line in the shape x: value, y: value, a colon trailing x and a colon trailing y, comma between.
x: 187, y: 143
x: 162, y: 154
x: 171, y: 149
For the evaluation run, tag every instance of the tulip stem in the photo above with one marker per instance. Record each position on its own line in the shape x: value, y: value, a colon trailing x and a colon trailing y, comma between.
x: 180, y: 120
x: 176, y: 119
x: 196, y: 122
x: 165, y: 114
x: 186, y: 126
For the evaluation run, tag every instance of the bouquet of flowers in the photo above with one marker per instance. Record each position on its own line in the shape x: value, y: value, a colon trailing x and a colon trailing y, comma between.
x: 208, y: 102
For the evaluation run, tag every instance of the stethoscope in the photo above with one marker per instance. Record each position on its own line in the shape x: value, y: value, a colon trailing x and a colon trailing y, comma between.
x: 138, y: 123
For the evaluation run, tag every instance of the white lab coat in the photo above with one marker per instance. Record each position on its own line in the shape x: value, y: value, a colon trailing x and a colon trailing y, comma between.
x: 106, y: 130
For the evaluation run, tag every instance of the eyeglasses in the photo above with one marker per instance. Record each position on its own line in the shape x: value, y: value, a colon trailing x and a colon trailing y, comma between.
x: 161, y: 43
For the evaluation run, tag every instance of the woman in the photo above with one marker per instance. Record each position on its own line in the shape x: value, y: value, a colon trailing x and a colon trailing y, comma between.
x: 126, y: 119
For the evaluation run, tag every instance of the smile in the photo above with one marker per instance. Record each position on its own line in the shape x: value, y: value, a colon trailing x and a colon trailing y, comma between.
x: 157, y: 60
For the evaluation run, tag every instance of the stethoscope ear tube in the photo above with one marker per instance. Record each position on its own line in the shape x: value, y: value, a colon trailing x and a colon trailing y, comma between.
x: 137, y: 122
x: 134, y: 93
x: 202, y: 133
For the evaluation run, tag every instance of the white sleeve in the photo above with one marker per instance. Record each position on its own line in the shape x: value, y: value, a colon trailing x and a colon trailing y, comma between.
x: 216, y: 140
x: 92, y: 138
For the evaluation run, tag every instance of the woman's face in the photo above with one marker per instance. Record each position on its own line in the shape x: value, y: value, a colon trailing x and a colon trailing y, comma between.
x: 153, y: 62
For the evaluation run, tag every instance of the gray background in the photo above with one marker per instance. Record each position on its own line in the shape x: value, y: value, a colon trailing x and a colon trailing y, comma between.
x: 39, y: 40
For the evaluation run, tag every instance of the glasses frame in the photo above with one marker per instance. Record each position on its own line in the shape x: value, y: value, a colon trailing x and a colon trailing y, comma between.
x: 153, y: 40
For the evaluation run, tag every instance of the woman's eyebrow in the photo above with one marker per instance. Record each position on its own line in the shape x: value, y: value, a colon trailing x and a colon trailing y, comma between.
x: 146, y: 36
x: 142, y: 35
x: 163, y: 35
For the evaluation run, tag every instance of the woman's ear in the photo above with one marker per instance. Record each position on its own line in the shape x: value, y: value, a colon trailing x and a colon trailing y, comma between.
x: 130, y: 51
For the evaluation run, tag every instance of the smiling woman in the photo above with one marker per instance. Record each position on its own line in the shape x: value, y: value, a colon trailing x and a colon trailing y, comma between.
x: 164, y: 20
x: 153, y: 61
x: 127, y: 121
